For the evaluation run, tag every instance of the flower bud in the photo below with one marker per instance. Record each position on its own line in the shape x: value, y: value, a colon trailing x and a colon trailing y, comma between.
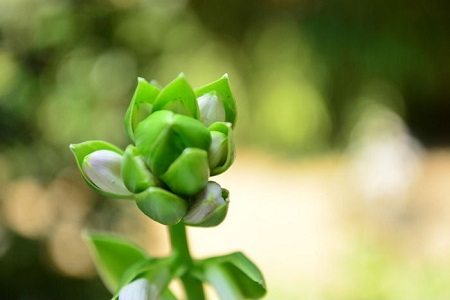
x: 221, y: 152
x: 100, y: 163
x: 211, y: 109
x: 135, y: 174
x: 178, y: 97
x: 162, y: 206
x: 217, y: 92
x: 103, y: 167
x: 209, y: 207
x: 189, y: 173
x: 140, y: 107
x: 163, y: 136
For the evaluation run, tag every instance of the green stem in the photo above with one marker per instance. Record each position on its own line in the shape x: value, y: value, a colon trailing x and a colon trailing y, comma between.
x: 180, y: 248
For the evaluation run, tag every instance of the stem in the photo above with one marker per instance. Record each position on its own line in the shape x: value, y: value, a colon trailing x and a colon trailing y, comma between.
x: 180, y: 248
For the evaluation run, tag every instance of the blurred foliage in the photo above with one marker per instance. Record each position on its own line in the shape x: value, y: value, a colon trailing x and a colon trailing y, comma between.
x: 68, y: 69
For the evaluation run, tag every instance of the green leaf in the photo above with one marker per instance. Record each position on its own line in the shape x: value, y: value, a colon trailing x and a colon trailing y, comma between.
x: 135, y: 174
x: 225, y: 152
x: 221, y: 88
x: 178, y: 97
x: 189, y: 173
x: 140, y: 107
x: 82, y: 150
x: 158, y: 272
x: 162, y: 206
x: 234, y: 273
x: 112, y: 257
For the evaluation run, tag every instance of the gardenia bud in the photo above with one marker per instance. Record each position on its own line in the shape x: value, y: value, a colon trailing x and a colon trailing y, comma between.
x: 103, y: 168
x: 211, y: 109
x: 209, y: 207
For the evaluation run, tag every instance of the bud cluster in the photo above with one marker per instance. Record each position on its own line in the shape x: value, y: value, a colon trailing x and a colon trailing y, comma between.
x: 181, y: 136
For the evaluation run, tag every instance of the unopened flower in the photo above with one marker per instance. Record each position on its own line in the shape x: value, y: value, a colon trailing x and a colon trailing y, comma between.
x: 175, y: 147
x: 103, y: 168
x: 209, y: 207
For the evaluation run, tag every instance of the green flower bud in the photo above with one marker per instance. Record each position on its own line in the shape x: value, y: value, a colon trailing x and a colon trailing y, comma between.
x: 163, y: 136
x: 161, y: 205
x: 99, y: 164
x: 140, y: 107
x: 221, y: 152
x: 178, y: 97
x: 211, y: 109
x: 209, y: 207
x: 217, y: 90
x: 189, y: 173
x: 102, y: 168
x: 135, y: 174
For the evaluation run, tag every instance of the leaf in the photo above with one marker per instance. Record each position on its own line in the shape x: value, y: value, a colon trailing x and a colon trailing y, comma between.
x: 237, y: 275
x: 140, y: 107
x: 162, y: 206
x: 81, y: 150
x: 159, y: 272
x: 112, y: 257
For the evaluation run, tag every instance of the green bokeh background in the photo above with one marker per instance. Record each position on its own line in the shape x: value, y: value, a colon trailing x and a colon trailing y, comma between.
x: 302, y: 71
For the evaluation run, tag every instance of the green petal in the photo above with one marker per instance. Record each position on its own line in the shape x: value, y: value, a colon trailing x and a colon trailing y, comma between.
x: 178, y: 97
x: 189, y: 173
x: 82, y: 150
x: 161, y: 205
x: 140, y: 107
x: 112, y: 257
x: 135, y: 174
x: 221, y: 88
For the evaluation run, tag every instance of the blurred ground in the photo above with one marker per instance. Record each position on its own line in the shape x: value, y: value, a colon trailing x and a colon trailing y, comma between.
x: 314, y: 234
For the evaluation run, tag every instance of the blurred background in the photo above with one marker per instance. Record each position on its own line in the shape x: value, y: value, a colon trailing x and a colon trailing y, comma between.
x: 341, y: 186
